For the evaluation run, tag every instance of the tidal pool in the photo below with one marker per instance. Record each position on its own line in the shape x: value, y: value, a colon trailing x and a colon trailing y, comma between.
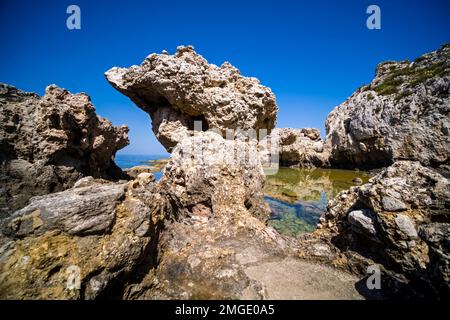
x: 298, y: 197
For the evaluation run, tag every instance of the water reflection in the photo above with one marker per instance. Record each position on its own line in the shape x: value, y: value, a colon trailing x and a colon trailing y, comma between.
x: 298, y: 197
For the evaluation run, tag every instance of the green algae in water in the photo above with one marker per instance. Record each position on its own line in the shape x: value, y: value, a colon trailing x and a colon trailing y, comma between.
x: 308, y: 184
x: 293, y: 219
x: 298, y: 197
x: 288, y: 193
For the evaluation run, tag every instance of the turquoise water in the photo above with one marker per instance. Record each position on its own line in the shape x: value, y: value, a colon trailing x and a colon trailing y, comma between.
x: 293, y: 219
x: 298, y: 197
x: 126, y: 161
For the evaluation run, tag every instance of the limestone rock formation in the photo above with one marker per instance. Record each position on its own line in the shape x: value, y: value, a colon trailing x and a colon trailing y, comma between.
x: 301, y: 148
x: 219, y: 246
x: 404, y: 114
x: 126, y: 240
x: 399, y: 219
x: 199, y: 233
x: 215, y: 188
x: 238, y: 258
x: 176, y: 90
x: 47, y: 143
x: 217, y: 173
x: 83, y: 243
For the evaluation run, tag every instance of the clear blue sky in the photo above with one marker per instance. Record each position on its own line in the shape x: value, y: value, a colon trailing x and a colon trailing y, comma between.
x: 313, y: 54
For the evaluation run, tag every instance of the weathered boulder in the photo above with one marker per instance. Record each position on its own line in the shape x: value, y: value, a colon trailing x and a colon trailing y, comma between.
x: 47, y: 143
x: 217, y: 173
x: 409, y: 237
x: 362, y: 221
x: 83, y: 243
x: 198, y: 233
x: 219, y: 246
x: 297, y: 147
x: 176, y: 90
x: 404, y: 114
x: 215, y: 188
x: 80, y: 211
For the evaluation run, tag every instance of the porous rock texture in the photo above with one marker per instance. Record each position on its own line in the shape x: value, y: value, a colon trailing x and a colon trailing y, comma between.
x: 207, y: 169
x: 47, y: 143
x: 86, y: 242
x: 403, y: 114
x: 199, y: 233
x: 297, y: 148
x: 399, y: 220
x: 215, y: 187
x: 219, y: 246
x: 176, y: 90
x: 153, y: 166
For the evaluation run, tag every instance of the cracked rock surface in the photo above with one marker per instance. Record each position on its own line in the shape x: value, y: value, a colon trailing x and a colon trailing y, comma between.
x: 403, y: 114
x: 400, y: 220
x: 47, y: 143
x: 176, y: 90
x: 298, y: 148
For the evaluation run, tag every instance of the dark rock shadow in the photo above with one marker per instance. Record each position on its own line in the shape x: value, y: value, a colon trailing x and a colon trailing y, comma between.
x: 369, y: 294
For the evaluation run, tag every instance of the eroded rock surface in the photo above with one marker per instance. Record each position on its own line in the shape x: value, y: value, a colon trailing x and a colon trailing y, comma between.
x: 298, y: 148
x: 200, y: 232
x: 219, y: 246
x: 176, y: 90
x: 217, y: 173
x: 400, y: 220
x: 47, y: 143
x: 404, y: 114
x: 83, y: 243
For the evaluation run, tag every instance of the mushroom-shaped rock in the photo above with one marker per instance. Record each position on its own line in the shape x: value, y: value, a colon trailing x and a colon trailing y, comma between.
x: 177, y: 90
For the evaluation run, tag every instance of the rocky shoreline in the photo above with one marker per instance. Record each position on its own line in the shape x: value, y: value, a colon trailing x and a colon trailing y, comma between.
x: 152, y: 167
x: 74, y: 226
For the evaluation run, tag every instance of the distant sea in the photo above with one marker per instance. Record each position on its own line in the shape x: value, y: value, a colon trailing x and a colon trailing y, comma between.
x: 125, y: 161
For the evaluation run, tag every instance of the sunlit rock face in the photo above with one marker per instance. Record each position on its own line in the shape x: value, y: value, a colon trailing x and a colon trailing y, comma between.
x: 399, y: 220
x: 49, y: 142
x: 121, y: 237
x: 403, y: 114
x: 215, y: 188
x: 297, y: 148
x: 219, y: 246
x: 217, y: 173
x: 86, y: 242
x: 176, y: 90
